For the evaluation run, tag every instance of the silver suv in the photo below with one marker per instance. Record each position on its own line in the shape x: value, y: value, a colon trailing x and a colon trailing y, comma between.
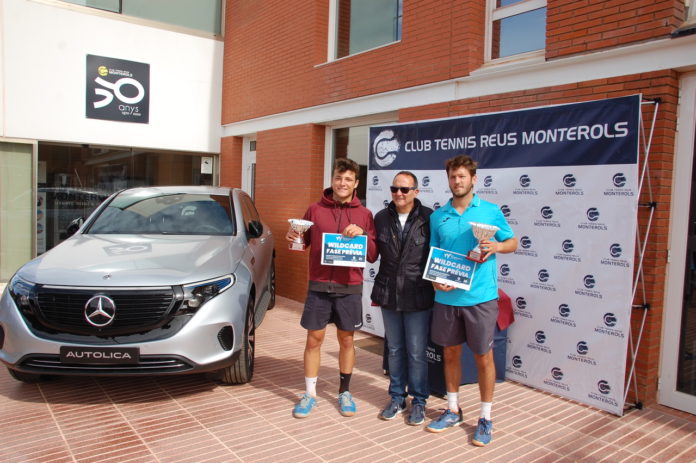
x: 161, y: 280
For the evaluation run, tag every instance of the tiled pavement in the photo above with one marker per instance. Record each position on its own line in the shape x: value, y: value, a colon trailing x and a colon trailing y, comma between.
x: 189, y: 419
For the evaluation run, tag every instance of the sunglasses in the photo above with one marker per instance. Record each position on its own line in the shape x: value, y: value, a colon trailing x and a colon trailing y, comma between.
x: 403, y: 189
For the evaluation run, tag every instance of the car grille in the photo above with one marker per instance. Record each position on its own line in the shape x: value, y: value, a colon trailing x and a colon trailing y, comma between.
x: 51, y: 364
x: 136, y: 310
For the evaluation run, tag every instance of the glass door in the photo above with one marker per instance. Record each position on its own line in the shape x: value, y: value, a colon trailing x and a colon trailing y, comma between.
x: 686, y: 360
x: 677, y: 383
x: 249, y: 166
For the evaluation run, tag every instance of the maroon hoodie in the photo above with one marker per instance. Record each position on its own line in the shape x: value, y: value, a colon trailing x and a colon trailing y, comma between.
x: 330, y: 216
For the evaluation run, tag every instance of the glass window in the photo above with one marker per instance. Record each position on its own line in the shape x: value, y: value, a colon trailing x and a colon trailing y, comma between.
x: 168, y: 214
x: 16, y: 208
x: 203, y: 15
x: 249, y: 212
x: 74, y: 179
x: 353, y: 143
x: 516, y: 26
x: 108, y: 5
x: 365, y: 24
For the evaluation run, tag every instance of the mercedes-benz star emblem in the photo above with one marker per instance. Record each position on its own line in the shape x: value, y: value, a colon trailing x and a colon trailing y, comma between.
x: 100, y: 311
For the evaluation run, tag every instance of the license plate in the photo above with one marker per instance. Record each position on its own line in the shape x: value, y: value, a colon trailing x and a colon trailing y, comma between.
x: 99, y: 355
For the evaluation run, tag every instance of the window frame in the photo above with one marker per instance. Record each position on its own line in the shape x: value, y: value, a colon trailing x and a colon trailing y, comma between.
x: 332, y: 42
x: 494, y: 14
x: 164, y: 25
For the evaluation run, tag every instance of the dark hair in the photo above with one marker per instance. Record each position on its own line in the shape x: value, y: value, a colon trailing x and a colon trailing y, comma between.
x: 410, y: 174
x: 462, y: 160
x: 343, y: 164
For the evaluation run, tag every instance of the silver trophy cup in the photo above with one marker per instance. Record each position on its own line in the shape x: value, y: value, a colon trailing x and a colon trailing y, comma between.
x: 300, y: 226
x: 482, y: 232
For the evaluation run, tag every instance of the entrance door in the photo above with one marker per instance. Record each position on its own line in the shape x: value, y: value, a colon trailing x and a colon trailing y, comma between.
x: 249, y: 166
x: 677, y: 387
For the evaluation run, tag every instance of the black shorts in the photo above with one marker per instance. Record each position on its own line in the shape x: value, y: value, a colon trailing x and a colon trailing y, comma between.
x: 344, y: 310
x: 475, y: 325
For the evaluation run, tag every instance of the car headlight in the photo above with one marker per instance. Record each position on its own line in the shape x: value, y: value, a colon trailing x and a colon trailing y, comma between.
x: 197, y: 294
x: 22, y: 292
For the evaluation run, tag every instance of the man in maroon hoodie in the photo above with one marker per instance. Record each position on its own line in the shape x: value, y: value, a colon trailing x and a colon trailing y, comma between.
x: 335, y: 293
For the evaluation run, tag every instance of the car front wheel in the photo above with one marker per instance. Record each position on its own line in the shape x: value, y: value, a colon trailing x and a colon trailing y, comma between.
x: 243, y: 369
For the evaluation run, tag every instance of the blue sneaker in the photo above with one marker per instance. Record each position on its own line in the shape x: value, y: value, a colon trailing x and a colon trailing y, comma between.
x: 346, y: 404
x: 393, y: 408
x: 417, y: 415
x: 447, y: 420
x: 484, y: 433
x: 304, y: 406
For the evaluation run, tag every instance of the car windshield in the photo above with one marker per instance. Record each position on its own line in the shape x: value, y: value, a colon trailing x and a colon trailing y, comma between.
x: 170, y: 214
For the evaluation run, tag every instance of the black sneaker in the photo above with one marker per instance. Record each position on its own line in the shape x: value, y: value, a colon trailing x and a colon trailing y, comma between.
x: 393, y: 408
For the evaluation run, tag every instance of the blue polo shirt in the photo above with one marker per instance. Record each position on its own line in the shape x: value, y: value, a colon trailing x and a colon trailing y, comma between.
x: 451, y: 231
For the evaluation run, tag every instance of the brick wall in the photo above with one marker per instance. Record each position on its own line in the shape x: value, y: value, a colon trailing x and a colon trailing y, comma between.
x: 231, y: 162
x: 289, y: 177
x: 276, y: 51
x: 577, y: 26
x: 663, y: 85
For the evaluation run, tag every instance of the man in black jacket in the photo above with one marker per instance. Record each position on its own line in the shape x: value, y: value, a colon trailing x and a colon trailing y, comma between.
x: 403, y: 238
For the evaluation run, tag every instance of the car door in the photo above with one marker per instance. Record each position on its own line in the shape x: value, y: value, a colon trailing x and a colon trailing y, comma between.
x: 261, y: 248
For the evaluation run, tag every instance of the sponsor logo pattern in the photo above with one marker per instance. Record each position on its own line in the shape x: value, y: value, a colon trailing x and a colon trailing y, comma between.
x: 515, y: 368
x: 525, y: 187
x: 546, y: 218
x: 564, y: 316
x: 525, y: 247
x: 539, y: 343
x: 575, y: 221
x: 567, y: 253
x: 555, y: 380
x: 569, y: 187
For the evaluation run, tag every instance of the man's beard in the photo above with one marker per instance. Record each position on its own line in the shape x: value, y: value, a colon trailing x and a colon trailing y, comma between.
x: 462, y: 195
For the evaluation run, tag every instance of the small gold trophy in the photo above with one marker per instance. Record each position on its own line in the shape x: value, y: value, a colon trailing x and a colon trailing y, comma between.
x: 300, y: 226
x: 482, y: 232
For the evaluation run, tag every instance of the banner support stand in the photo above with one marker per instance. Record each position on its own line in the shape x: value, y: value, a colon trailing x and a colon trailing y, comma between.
x: 642, y: 244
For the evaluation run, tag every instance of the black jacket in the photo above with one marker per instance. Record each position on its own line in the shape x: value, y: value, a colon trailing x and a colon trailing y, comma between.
x: 399, y: 284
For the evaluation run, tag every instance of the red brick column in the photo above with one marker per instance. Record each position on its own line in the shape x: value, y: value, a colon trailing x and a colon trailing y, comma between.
x: 289, y: 177
x: 231, y: 162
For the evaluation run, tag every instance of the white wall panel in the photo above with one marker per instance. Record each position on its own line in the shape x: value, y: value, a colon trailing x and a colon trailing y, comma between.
x: 44, y: 49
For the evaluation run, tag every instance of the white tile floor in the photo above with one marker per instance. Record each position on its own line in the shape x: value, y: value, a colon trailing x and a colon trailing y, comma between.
x: 189, y: 419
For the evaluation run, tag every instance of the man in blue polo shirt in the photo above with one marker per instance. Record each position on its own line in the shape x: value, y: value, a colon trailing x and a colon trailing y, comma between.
x: 467, y: 316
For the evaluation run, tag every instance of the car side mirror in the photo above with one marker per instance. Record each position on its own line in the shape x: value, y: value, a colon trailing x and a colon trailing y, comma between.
x: 74, y: 225
x: 254, y: 229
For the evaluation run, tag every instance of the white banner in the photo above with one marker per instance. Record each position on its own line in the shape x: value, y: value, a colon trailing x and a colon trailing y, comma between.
x: 573, y: 206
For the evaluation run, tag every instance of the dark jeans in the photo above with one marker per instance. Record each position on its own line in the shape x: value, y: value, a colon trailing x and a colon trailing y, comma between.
x: 407, y: 340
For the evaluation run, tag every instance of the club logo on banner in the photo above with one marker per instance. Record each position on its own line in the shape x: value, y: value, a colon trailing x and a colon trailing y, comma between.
x: 564, y: 317
x: 385, y: 148
x: 566, y: 179
x: 569, y: 186
x: 117, y: 90
x: 520, y: 308
x: 526, y: 248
